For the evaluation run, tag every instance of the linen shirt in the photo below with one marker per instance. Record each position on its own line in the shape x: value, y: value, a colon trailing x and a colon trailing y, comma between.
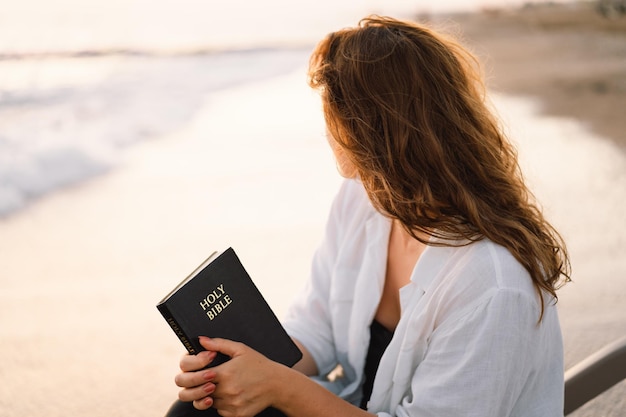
x: 468, y: 343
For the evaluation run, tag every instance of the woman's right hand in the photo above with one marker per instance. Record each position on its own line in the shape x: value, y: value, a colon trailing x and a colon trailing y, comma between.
x: 195, y: 380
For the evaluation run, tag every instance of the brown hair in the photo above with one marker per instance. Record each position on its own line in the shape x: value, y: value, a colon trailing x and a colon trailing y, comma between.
x: 408, y: 107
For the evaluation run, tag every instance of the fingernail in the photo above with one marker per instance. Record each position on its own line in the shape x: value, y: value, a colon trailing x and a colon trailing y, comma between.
x: 208, y: 354
x: 209, y: 375
x: 206, y: 339
x: 208, y: 388
x: 208, y: 401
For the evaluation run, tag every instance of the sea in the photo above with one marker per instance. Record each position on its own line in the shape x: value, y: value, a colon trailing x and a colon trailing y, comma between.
x: 82, y: 82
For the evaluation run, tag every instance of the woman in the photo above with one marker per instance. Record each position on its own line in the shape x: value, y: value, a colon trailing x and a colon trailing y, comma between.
x: 434, y: 290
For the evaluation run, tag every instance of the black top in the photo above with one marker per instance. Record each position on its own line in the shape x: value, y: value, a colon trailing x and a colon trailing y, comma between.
x: 379, y: 340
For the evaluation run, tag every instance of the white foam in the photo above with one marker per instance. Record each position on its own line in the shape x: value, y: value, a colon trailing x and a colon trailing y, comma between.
x: 56, y: 133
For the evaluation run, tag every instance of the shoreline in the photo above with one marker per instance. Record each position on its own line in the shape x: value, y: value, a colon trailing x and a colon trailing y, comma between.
x: 567, y: 56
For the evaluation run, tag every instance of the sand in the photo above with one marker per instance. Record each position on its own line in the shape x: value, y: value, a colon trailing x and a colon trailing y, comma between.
x: 82, y: 269
x: 569, y: 56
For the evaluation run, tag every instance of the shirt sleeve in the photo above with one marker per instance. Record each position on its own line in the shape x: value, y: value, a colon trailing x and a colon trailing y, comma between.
x: 478, y: 364
x: 308, y: 318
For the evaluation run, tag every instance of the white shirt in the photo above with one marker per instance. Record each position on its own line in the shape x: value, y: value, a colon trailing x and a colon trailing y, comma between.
x: 468, y: 342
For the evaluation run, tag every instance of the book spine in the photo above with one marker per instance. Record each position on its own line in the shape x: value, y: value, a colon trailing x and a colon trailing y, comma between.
x: 165, y: 312
x: 181, y: 335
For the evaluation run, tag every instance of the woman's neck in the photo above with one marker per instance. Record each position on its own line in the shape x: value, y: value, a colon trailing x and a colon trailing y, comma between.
x: 405, y: 239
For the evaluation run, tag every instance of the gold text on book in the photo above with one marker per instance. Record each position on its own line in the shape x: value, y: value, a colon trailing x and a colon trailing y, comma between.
x: 215, y: 302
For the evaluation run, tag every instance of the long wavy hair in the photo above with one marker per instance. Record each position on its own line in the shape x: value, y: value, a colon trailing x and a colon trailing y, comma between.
x: 407, y: 106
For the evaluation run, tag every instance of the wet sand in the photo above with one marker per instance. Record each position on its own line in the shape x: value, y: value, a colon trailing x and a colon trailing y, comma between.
x: 569, y: 56
x: 83, y: 269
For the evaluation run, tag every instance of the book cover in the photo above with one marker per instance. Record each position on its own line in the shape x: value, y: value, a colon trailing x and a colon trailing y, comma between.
x: 219, y: 299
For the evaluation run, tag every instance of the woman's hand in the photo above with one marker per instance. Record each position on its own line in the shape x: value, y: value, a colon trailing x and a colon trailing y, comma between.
x: 196, y: 381
x: 249, y: 383
x: 243, y: 386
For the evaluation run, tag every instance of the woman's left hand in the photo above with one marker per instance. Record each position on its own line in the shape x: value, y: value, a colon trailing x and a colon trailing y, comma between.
x: 244, y: 385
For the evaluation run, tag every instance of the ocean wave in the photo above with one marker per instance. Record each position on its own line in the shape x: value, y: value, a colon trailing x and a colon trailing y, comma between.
x: 57, y: 129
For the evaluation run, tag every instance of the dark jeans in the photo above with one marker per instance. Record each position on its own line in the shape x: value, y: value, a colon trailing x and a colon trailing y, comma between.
x: 186, y: 409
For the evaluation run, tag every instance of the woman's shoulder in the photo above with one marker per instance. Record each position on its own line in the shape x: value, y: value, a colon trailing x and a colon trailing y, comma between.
x: 482, y: 268
x: 352, y: 189
x: 352, y: 200
x: 507, y: 272
x: 481, y: 278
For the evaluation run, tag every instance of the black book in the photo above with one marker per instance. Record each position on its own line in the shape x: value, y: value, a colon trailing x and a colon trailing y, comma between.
x: 219, y: 299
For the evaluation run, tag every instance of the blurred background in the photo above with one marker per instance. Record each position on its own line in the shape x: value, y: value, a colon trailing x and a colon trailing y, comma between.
x: 137, y: 136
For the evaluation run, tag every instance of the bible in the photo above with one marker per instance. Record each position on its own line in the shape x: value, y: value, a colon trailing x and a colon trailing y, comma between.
x: 220, y: 300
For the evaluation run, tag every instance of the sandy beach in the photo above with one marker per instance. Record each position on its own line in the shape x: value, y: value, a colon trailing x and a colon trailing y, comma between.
x: 569, y: 56
x: 81, y: 270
